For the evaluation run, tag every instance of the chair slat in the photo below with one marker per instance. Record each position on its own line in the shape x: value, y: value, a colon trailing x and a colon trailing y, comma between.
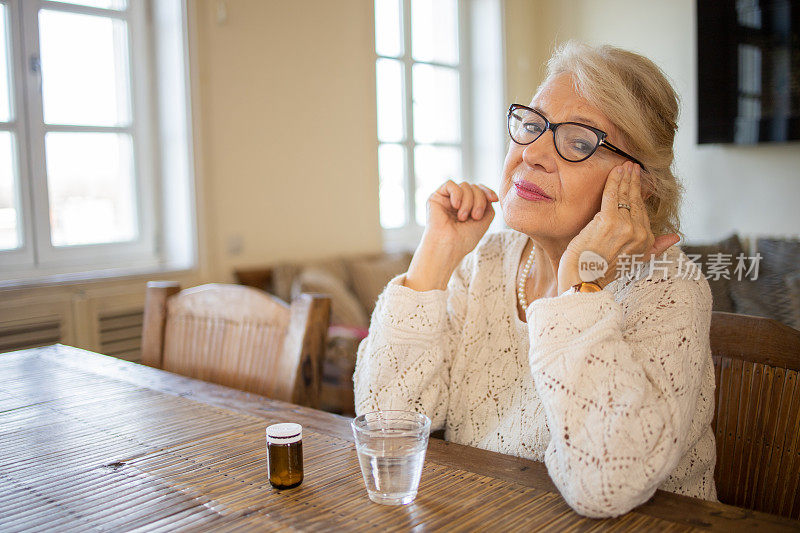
x: 723, y: 365
x: 789, y: 474
x: 754, y: 431
x: 775, y: 428
x: 717, y: 372
x: 731, y: 410
x: 761, y: 438
x: 743, y: 433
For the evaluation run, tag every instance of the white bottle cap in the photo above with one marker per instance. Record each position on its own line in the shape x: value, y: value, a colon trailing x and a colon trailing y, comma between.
x: 285, y: 433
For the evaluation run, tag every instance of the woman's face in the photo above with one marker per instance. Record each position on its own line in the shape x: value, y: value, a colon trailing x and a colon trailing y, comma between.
x: 575, y: 189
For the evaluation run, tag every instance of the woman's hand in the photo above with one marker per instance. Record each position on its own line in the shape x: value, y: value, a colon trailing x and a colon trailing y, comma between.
x: 614, y: 230
x: 458, y: 216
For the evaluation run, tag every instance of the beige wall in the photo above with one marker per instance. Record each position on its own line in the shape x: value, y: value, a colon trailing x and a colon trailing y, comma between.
x: 287, y: 123
x: 524, y: 49
x: 753, y: 190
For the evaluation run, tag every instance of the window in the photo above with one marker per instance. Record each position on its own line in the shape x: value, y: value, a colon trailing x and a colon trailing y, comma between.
x: 440, y: 104
x: 420, y: 74
x: 78, y: 137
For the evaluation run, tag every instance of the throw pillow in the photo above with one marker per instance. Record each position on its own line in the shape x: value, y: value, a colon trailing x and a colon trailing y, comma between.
x: 346, y: 310
x: 335, y: 266
x: 779, y: 255
x: 370, y: 276
x: 793, y: 284
x: 768, y: 294
x: 720, y: 288
x: 284, y: 274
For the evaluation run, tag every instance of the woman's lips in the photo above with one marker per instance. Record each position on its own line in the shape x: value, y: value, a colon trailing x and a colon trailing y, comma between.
x: 529, y: 191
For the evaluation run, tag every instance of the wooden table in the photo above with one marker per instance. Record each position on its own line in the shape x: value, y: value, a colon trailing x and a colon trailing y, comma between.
x: 88, y: 442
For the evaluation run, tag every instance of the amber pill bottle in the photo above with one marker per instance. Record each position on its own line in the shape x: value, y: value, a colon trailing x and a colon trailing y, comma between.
x: 285, y: 455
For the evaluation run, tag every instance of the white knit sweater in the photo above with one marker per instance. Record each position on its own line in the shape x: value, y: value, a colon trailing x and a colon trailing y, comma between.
x: 613, y: 390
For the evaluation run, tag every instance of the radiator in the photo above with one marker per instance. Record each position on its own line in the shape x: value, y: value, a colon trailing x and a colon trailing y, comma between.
x: 29, y: 334
x: 120, y: 334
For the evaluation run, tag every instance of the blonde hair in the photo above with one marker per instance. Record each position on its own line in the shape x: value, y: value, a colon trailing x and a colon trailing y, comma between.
x: 635, y: 95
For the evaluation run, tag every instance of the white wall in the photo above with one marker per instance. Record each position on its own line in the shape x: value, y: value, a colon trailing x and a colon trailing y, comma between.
x: 752, y: 190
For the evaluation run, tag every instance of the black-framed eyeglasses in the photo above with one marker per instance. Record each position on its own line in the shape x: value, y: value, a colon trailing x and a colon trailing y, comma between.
x: 574, y: 142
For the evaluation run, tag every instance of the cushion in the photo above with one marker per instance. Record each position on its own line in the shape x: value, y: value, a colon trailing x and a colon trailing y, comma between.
x: 335, y: 266
x: 282, y: 278
x: 720, y: 288
x: 778, y: 255
x: 370, y: 275
x: 345, y: 308
x: 769, y: 295
x: 284, y: 274
x: 793, y: 284
x: 764, y: 296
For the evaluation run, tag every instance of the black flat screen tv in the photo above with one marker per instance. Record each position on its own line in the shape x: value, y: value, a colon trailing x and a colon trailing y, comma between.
x: 748, y: 71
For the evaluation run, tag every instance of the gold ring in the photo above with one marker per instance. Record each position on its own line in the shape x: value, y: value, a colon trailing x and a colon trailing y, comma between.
x: 624, y: 206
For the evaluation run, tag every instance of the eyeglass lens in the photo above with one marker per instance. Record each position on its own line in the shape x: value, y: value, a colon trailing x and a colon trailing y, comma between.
x: 573, y: 142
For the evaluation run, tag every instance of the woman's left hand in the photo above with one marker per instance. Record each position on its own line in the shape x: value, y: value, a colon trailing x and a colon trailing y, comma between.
x: 614, y: 230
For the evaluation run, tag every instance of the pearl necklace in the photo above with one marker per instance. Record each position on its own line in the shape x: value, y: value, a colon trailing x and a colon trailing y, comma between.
x: 523, y: 300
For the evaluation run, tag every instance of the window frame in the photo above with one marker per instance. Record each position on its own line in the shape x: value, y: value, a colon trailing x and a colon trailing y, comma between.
x: 411, y: 231
x: 17, y: 125
x: 37, y: 256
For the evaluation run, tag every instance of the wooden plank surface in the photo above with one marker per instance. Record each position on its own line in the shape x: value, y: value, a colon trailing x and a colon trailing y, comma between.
x: 90, y: 442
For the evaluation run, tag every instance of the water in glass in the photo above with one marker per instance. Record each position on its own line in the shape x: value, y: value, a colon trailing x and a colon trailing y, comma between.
x: 392, y: 473
x: 391, y: 449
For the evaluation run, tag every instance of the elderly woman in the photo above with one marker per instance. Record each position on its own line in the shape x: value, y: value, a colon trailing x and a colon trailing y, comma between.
x: 503, y: 342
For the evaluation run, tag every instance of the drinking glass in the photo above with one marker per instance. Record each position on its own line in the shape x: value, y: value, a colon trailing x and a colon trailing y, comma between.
x: 391, y: 451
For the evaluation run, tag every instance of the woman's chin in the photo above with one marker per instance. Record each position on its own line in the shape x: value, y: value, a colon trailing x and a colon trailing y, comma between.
x: 517, y: 221
x: 532, y: 221
x: 519, y: 213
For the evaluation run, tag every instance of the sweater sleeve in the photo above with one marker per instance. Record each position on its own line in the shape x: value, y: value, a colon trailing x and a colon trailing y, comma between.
x: 619, y: 404
x: 404, y: 362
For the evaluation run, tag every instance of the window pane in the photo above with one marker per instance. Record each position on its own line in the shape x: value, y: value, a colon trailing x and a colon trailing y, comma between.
x: 5, y: 73
x: 434, y: 30
x: 85, y: 76
x: 388, y: 28
x: 9, y: 203
x: 389, y: 75
x: 436, y: 104
x: 392, y: 169
x: 433, y: 165
x: 105, y: 4
x: 91, y: 188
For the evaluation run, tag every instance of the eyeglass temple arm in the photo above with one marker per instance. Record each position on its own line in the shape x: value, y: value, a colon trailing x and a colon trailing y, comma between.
x: 621, y: 152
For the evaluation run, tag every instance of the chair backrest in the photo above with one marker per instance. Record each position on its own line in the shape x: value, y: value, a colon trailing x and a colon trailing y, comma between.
x: 757, y: 415
x: 238, y: 336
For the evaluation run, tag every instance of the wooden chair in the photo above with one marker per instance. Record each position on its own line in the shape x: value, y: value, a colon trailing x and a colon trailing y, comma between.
x: 757, y: 415
x: 238, y: 336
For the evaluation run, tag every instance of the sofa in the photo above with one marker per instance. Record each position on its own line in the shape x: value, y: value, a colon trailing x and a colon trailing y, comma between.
x: 771, y: 288
x: 353, y: 284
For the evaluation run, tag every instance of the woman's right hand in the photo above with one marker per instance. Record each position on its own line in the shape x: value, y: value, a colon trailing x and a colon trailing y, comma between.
x: 458, y: 217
